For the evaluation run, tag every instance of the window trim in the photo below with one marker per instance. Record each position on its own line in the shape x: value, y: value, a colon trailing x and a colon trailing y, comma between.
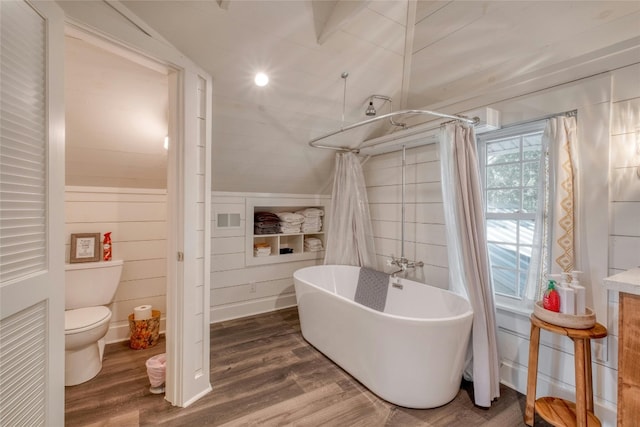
x: 536, y: 126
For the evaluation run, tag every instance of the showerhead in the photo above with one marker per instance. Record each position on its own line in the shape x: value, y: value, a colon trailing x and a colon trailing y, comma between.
x: 371, y: 111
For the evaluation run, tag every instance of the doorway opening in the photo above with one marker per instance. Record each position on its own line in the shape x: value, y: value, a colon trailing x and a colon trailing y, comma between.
x: 118, y: 155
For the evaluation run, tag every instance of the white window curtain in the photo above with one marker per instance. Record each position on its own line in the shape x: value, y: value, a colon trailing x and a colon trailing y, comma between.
x: 350, y: 234
x: 555, y: 241
x: 469, y: 272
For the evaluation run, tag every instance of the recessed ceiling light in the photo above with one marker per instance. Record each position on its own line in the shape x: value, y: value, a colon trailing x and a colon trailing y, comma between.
x: 261, y: 79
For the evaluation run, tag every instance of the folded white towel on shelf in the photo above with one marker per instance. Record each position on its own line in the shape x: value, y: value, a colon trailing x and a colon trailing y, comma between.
x: 261, y: 249
x: 312, y: 221
x: 289, y: 229
x: 312, y: 244
x: 312, y: 229
x: 312, y: 224
x: 290, y: 217
x: 311, y: 212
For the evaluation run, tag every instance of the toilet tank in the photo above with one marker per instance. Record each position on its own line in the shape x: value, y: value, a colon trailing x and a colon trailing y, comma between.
x: 91, y: 284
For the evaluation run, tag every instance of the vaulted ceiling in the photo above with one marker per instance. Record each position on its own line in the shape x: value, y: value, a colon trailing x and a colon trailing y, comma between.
x: 116, y: 119
x: 423, y: 54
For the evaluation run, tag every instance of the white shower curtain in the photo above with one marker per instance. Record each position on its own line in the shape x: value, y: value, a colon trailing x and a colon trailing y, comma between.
x: 469, y: 272
x: 350, y: 234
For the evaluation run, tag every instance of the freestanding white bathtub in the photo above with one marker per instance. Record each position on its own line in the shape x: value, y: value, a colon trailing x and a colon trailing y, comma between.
x: 411, y: 355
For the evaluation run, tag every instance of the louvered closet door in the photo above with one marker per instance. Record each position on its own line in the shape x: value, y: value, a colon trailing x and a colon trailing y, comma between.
x: 31, y: 214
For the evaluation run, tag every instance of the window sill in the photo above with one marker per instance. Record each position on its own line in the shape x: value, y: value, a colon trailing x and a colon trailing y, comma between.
x: 520, y: 309
x: 514, y: 319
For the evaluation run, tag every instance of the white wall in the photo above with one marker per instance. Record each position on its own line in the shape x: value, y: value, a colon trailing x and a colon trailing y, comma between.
x: 137, y: 220
x: 624, y: 231
x: 425, y: 238
x: 605, y: 117
x: 238, y: 290
x: 625, y: 163
x: 115, y: 116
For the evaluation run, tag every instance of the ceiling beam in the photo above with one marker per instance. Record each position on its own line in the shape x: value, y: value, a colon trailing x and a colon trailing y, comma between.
x: 408, y: 50
x: 343, y: 12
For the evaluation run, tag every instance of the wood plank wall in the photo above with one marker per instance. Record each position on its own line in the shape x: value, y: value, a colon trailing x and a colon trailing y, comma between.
x: 425, y: 237
x: 238, y: 290
x: 624, y: 242
x: 137, y: 220
x: 624, y: 230
x: 605, y: 117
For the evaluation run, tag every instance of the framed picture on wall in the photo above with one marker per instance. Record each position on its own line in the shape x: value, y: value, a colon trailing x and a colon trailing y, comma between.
x: 85, y: 247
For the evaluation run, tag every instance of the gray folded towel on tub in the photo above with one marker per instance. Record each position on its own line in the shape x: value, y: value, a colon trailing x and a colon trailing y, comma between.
x: 372, y: 287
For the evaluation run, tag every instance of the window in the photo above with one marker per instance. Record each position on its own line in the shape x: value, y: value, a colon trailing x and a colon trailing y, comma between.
x: 510, y: 167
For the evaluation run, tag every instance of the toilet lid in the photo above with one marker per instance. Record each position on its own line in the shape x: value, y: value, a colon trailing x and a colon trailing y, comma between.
x: 81, y: 318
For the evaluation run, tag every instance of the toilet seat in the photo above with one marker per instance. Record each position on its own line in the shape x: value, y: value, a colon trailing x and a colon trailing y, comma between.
x: 83, y: 319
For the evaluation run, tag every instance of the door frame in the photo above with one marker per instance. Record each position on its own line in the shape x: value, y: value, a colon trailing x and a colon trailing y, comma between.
x: 181, y: 389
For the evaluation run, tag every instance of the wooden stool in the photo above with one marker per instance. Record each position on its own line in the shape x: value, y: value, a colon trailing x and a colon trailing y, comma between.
x: 554, y: 410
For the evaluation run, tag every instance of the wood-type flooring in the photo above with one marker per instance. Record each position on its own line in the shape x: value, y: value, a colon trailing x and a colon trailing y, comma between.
x: 263, y: 373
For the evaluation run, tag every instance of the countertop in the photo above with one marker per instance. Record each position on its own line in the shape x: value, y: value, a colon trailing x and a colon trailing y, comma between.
x: 627, y: 281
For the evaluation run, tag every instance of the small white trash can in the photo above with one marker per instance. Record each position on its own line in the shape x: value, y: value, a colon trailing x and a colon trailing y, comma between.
x: 157, y: 371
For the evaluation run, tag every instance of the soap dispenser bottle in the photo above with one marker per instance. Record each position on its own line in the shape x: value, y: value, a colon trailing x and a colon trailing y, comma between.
x: 580, y: 291
x: 567, y: 296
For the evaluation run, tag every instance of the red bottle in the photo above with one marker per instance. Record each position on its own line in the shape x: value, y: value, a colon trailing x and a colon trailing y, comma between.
x: 551, y: 298
x: 106, y: 247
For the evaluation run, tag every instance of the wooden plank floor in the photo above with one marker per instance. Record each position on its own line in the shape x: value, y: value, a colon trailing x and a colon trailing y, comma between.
x: 264, y: 373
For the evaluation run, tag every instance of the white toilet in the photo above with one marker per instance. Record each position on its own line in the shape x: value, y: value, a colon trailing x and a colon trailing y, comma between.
x: 89, y: 287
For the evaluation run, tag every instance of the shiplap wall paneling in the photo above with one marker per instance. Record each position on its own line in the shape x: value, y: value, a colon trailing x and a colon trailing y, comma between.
x: 238, y: 290
x: 624, y: 229
x: 383, y: 178
x: 137, y: 220
x: 425, y: 238
x: 592, y: 97
x: 624, y: 239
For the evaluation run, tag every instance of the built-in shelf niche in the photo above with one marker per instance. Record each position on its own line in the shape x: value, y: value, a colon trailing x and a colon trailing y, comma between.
x: 293, y: 241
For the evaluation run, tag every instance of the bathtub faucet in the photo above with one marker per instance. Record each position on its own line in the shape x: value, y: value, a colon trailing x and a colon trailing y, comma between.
x: 403, y: 264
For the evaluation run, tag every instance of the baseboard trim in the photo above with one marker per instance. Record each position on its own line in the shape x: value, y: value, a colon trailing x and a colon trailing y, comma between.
x: 515, y: 377
x: 119, y: 331
x: 197, y: 396
x: 250, y: 308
